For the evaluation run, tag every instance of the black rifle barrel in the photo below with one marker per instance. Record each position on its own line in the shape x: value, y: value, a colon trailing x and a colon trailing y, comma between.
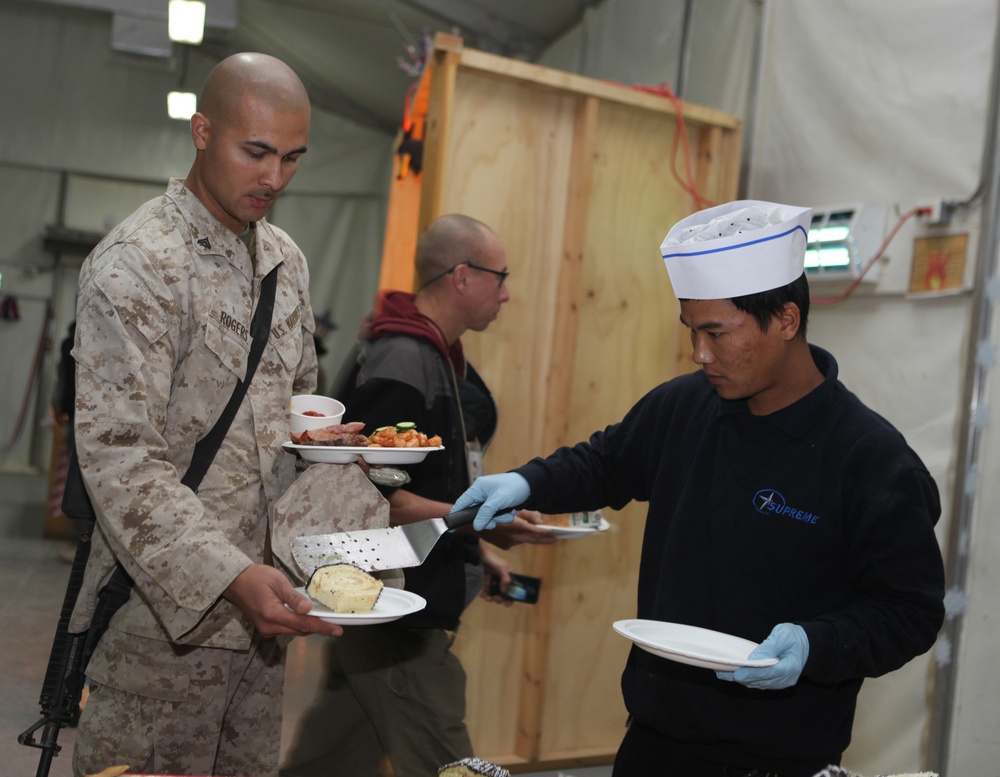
x: 64, y: 676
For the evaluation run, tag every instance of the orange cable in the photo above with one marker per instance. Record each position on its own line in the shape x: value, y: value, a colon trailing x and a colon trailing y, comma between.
x: 878, y: 255
x: 408, y: 104
x: 689, y: 186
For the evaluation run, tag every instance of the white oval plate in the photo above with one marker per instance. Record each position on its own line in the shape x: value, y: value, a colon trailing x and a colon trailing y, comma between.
x: 344, y: 454
x: 575, y: 532
x: 691, y: 644
x: 392, y: 604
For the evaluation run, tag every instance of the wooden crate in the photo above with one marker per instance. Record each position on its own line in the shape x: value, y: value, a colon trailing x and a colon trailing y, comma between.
x: 577, y: 177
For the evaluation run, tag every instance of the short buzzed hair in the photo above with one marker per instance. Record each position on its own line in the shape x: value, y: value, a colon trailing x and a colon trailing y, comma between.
x: 448, y: 241
x: 764, y: 305
x: 249, y: 74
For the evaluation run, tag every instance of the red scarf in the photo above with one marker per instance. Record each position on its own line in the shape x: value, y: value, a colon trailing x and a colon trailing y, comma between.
x: 396, y: 313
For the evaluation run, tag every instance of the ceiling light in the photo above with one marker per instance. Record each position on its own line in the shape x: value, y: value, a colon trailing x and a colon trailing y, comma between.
x: 181, y: 105
x: 186, y: 21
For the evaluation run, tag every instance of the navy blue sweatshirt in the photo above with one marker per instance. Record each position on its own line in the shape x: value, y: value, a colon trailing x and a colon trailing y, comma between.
x: 818, y: 514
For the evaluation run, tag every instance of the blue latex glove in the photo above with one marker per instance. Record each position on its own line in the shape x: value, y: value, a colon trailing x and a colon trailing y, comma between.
x: 789, y: 644
x: 498, y: 494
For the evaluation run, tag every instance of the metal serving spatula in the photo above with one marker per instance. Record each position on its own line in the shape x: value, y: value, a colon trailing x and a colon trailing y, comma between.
x: 375, y: 549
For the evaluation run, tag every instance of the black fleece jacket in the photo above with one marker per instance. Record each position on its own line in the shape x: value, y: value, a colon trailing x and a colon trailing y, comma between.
x: 819, y: 514
x: 405, y: 378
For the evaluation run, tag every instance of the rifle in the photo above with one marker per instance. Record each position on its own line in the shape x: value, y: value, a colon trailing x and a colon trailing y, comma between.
x: 62, y: 687
x: 65, y: 675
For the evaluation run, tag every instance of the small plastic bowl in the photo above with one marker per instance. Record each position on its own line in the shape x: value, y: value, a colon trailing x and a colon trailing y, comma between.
x: 331, y: 410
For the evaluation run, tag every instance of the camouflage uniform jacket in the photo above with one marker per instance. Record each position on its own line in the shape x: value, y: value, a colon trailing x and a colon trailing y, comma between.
x: 163, y: 335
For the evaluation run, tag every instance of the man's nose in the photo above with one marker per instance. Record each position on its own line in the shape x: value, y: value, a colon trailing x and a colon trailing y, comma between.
x: 701, y: 353
x: 271, y: 175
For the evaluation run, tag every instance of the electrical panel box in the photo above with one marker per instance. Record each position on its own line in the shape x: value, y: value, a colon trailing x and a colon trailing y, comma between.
x: 842, y: 241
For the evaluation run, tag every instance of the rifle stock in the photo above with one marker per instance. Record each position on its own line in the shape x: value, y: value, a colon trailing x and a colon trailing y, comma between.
x: 65, y: 676
x: 66, y: 672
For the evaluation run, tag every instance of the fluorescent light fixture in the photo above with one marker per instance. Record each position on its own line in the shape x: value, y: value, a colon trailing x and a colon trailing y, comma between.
x: 828, y: 257
x: 842, y: 240
x: 827, y: 234
x: 181, y: 105
x: 186, y: 21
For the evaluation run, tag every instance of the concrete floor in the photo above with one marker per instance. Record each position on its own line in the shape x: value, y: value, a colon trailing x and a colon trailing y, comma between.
x: 32, y: 587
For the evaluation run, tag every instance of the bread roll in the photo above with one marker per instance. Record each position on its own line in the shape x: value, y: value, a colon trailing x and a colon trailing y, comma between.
x: 344, y: 588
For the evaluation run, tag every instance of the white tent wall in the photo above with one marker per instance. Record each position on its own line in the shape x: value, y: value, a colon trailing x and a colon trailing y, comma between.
x: 861, y: 103
x: 639, y: 42
x: 85, y: 140
x: 886, y: 103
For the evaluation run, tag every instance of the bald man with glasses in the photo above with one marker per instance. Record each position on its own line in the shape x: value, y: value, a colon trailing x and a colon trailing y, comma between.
x: 397, y: 690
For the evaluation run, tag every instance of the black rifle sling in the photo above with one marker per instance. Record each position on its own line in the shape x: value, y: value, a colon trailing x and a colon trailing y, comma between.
x: 206, y: 448
x: 76, y: 501
x: 65, y: 676
x: 116, y: 591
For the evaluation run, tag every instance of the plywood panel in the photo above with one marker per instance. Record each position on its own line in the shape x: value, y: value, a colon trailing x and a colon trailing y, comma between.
x: 509, y: 160
x: 577, y: 178
x: 626, y: 323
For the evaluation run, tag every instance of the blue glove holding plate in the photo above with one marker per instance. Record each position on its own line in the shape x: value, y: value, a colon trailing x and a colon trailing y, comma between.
x: 498, y: 495
x: 789, y: 644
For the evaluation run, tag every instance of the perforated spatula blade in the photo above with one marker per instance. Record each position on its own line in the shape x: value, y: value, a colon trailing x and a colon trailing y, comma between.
x: 377, y: 549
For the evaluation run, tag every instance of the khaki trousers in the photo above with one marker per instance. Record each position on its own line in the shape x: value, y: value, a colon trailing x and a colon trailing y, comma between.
x: 167, y: 709
x: 389, y: 691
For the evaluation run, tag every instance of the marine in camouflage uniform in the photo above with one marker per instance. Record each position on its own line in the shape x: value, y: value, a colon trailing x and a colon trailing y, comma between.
x: 182, y: 681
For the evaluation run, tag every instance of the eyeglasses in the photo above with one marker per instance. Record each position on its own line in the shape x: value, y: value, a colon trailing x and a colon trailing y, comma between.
x: 501, y: 274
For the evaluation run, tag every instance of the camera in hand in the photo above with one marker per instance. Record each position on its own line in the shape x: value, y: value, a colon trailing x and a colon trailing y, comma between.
x: 522, y: 588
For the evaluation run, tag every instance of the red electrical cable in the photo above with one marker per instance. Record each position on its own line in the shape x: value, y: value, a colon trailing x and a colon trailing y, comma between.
x: 664, y: 90
x: 690, y: 187
x: 868, y: 265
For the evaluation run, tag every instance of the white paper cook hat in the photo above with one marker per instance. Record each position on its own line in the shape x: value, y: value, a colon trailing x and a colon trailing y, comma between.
x: 742, y: 247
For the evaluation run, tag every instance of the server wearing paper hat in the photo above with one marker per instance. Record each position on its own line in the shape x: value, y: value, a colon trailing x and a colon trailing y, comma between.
x: 781, y: 511
x: 739, y: 260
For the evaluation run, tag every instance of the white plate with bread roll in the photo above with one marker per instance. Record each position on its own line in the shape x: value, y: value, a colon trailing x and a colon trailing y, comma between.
x: 392, y: 604
x: 691, y: 645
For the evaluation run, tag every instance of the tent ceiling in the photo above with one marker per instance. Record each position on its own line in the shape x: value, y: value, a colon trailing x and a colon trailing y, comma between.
x: 350, y: 53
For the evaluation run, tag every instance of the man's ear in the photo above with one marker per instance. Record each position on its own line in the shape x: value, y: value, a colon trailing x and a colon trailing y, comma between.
x: 789, y: 321
x: 201, y: 129
x: 460, y: 277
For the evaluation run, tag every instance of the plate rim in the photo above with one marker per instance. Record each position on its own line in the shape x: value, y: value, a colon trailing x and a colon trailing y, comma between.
x: 573, y: 532
x: 351, y: 453
x: 415, y: 603
x: 424, y: 450
x: 347, y: 456
x: 710, y: 662
x: 359, y: 448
